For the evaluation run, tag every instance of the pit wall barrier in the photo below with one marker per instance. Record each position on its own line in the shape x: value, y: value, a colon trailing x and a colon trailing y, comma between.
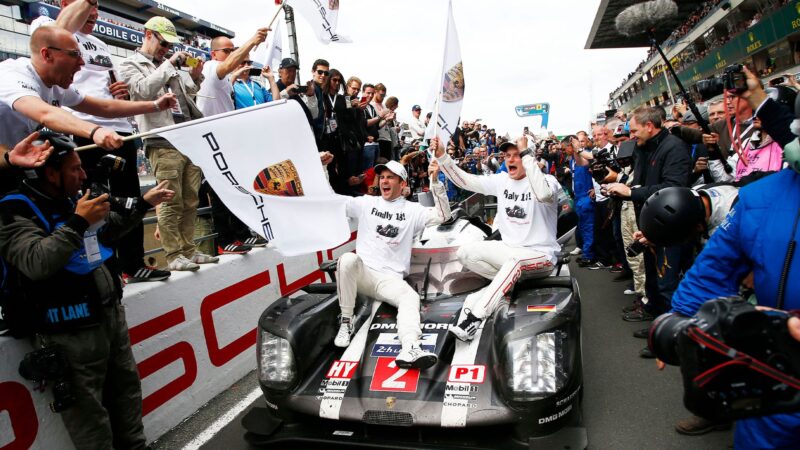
x: 193, y: 336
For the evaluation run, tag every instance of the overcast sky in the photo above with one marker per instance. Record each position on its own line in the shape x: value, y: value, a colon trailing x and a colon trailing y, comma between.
x: 514, y: 52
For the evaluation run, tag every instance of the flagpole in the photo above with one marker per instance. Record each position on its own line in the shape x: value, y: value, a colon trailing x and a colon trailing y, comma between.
x: 187, y: 123
x: 271, y: 22
x: 441, y: 77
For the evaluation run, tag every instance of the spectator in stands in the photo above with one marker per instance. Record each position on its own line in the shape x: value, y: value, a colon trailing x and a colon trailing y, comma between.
x: 415, y: 125
x: 384, y: 138
x: 149, y: 75
x: 79, y: 18
x: 304, y: 95
x: 583, y: 191
x: 320, y: 72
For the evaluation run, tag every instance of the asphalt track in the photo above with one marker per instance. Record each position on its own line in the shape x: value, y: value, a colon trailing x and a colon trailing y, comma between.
x: 628, y: 404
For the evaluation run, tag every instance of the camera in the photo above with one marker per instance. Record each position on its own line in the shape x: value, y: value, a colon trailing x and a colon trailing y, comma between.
x: 736, y: 361
x: 604, y: 160
x: 734, y: 79
x: 254, y: 72
x: 49, y: 364
x: 102, y: 171
x: 635, y: 249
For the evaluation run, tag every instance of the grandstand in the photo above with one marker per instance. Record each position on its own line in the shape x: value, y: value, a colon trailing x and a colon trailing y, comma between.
x: 120, y: 25
x: 707, y: 37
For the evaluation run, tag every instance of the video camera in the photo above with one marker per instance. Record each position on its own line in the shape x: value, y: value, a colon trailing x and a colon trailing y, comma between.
x: 734, y: 79
x: 736, y: 361
x: 604, y: 160
x: 105, y: 166
x: 49, y: 364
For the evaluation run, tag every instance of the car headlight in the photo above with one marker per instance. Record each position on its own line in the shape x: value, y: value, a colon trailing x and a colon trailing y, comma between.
x: 534, y: 367
x: 276, y: 366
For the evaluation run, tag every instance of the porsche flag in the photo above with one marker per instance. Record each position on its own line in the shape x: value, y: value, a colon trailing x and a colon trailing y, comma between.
x: 263, y: 163
x: 272, y: 54
x: 450, y: 89
x: 323, y: 16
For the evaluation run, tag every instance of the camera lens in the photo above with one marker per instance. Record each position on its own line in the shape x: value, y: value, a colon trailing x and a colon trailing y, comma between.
x: 663, y: 337
x: 635, y: 249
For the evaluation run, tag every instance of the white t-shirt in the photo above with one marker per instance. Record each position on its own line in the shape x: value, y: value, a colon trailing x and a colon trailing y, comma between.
x: 386, y: 231
x: 93, y: 78
x: 19, y: 79
x: 212, y: 86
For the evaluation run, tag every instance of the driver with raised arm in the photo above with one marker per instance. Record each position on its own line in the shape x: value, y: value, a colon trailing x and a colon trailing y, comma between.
x: 527, y: 214
x: 387, y: 225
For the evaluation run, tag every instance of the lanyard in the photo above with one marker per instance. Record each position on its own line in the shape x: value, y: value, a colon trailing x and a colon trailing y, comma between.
x: 333, y: 99
x: 250, y: 90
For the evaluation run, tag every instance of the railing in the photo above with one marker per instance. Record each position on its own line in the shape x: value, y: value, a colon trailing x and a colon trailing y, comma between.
x: 154, y: 220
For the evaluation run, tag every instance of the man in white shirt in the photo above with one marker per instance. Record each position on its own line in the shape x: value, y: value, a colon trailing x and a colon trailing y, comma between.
x: 387, y: 225
x: 95, y: 79
x: 527, y: 214
x: 32, y: 92
x: 216, y: 90
x: 415, y: 125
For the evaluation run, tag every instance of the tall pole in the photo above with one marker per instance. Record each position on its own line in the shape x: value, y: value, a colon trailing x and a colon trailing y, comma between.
x: 288, y: 11
x: 669, y: 88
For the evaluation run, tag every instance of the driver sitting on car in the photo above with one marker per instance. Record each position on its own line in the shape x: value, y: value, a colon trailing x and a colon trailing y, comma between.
x: 387, y: 225
x: 527, y: 214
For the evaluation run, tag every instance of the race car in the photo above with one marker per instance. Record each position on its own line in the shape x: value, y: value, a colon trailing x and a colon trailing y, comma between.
x: 517, y: 384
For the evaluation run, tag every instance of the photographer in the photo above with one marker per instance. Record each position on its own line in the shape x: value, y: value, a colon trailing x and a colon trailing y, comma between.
x: 61, y: 292
x: 759, y: 235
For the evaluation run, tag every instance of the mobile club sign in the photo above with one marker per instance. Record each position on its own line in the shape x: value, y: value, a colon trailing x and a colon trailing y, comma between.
x: 535, y: 109
x: 108, y: 30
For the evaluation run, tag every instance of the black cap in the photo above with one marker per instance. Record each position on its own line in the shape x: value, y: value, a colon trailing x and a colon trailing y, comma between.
x: 288, y: 62
x: 505, y: 145
x: 62, y: 146
x: 671, y: 215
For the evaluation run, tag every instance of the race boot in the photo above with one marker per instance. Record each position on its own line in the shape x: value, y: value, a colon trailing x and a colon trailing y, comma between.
x: 466, y: 330
x: 345, y: 331
x: 412, y: 356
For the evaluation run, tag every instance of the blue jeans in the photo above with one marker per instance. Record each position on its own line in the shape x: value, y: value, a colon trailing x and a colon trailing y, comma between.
x: 584, y: 207
x: 370, y: 154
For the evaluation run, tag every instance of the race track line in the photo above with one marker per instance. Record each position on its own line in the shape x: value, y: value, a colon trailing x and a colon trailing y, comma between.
x: 207, y: 434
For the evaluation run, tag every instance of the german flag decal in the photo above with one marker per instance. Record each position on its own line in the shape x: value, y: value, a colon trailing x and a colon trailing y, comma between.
x: 541, y: 308
x: 279, y: 179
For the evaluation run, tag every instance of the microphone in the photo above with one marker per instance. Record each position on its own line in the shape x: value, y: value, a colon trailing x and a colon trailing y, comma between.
x: 644, y: 17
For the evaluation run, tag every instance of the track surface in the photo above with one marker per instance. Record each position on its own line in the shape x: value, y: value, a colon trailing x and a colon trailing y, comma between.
x: 628, y: 404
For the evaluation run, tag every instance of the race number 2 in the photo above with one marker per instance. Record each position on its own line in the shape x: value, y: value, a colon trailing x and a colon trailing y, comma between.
x: 389, y: 377
x: 467, y: 374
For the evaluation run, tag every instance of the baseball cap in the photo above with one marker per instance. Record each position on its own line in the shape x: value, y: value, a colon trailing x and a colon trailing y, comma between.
x: 690, y: 117
x: 393, y: 166
x: 416, y: 108
x: 164, y: 27
x: 506, y: 145
x: 288, y: 62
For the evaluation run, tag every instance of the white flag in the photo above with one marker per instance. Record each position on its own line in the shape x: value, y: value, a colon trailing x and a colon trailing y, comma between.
x: 263, y: 163
x: 272, y: 54
x: 322, y: 15
x: 451, y: 85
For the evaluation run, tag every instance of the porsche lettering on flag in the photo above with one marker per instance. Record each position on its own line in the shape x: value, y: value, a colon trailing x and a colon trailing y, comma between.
x: 450, y: 89
x: 323, y: 16
x: 264, y: 165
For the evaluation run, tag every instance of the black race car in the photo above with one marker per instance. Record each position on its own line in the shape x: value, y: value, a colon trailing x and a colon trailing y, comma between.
x: 518, y: 384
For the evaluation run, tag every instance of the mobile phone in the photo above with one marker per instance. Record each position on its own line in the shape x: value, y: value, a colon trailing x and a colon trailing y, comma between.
x: 112, y: 77
x: 255, y: 72
x: 363, y: 100
x: 192, y: 62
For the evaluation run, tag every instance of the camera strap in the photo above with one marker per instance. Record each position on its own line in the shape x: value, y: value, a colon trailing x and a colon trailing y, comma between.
x: 737, y: 358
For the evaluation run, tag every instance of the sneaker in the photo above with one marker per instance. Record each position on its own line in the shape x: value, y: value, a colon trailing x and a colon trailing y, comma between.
x: 597, y: 265
x: 256, y: 241
x: 637, y: 315
x: 583, y: 262
x: 637, y: 304
x: 629, y: 292
x: 576, y: 251
x: 235, y: 248
x: 466, y: 330
x: 642, y: 334
x: 695, y: 426
x: 182, y: 263
x: 345, y: 331
x: 414, y: 357
x: 202, y: 258
x: 646, y: 353
x: 617, y: 268
x: 146, y: 273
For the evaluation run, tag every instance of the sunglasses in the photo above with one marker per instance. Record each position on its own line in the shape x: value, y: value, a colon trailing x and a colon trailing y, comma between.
x: 323, y: 72
x: 73, y: 53
x: 247, y: 63
x: 338, y: 80
x: 227, y: 51
x: 161, y: 41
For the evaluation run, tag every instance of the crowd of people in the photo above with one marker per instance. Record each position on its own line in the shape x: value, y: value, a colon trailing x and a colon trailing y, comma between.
x: 369, y: 155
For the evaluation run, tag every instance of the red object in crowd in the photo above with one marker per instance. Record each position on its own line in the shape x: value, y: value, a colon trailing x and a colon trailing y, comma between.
x: 369, y: 178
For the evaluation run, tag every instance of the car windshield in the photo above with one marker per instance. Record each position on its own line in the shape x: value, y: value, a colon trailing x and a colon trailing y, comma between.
x: 446, y: 275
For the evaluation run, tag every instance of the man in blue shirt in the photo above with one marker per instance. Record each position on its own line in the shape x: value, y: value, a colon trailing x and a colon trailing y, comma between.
x: 247, y: 92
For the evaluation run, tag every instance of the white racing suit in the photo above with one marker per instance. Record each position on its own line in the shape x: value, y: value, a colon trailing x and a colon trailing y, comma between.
x: 386, y: 231
x: 527, y: 214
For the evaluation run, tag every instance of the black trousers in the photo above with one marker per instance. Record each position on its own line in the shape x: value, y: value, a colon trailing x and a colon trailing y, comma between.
x: 227, y: 226
x: 664, y: 268
x: 125, y: 183
x: 603, y: 233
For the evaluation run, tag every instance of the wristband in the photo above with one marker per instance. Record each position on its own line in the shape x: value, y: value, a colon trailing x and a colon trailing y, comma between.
x: 94, y: 130
x: 155, y: 103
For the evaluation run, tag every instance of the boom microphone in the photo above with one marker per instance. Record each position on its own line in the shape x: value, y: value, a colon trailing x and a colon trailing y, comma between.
x: 644, y: 17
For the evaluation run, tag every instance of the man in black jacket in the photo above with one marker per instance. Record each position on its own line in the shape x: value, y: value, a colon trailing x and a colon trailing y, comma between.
x: 660, y: 160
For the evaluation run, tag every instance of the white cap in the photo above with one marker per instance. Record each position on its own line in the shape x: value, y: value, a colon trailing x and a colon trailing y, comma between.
x: 395, y: 167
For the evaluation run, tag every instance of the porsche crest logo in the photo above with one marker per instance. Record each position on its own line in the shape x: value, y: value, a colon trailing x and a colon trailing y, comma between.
x: 279, y: 179
x: 453, y: 85
x: 390, y: 402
